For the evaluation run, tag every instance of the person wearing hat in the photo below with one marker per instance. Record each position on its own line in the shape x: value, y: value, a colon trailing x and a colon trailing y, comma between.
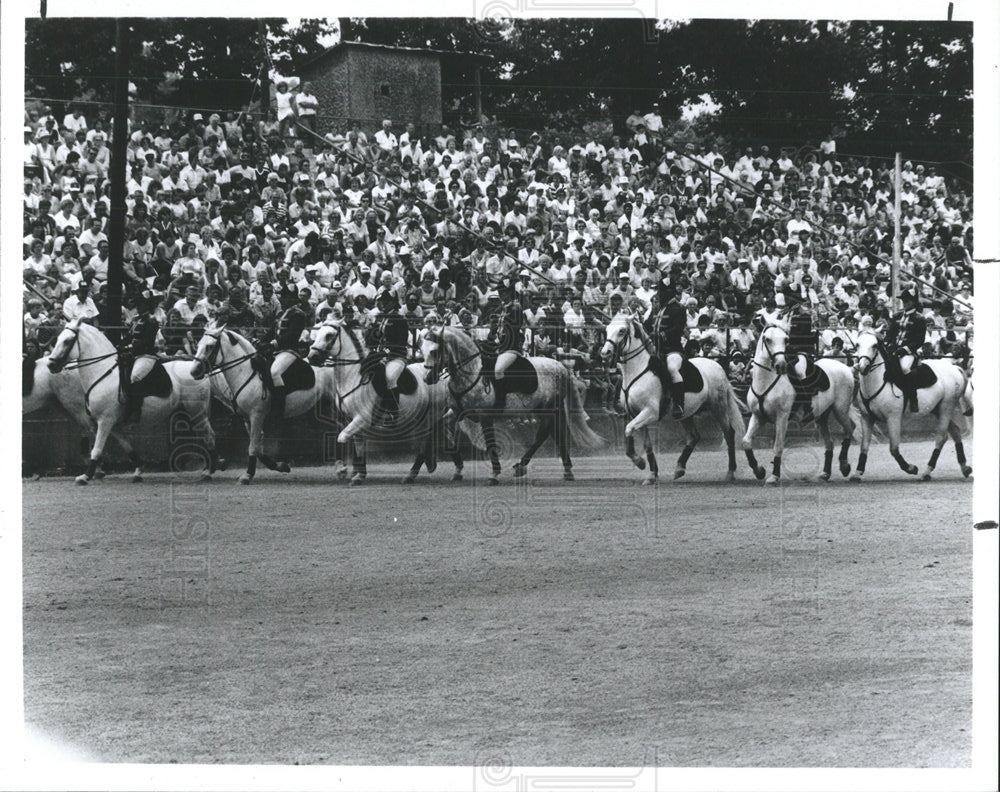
x: 667, y: 328
x: 906, y: 334
x: 801, y: 344
x: 142, y: 351
x: 390, y: 336
x: 505, y: 341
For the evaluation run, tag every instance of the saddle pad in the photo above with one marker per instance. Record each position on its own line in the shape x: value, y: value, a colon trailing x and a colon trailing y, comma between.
x: 922, y: 376
x: 157, y: 383
x: 815, y: 381
x: 299, y: 376
x: 521, y: 376
x: 693, y: 381
x: 407, y: 383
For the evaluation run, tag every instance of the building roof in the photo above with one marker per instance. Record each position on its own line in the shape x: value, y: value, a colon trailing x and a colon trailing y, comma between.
x: 343, y: 45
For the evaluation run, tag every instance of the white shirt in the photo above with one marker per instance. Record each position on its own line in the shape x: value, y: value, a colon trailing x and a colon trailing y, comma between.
x: 74, y: 309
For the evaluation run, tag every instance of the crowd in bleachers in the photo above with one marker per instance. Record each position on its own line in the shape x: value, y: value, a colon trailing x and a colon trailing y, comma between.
x: 228, y: 220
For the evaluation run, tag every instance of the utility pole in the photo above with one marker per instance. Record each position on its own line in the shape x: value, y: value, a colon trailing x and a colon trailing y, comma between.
x: 897, y: 235
x: 112, y: 318
x: 265, y: 76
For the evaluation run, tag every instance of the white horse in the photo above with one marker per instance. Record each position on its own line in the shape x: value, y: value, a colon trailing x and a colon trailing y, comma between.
x: 771, y: 398
x: 87, y: 351
x: 421, y: 412
x: 556, y: 396
x: 882, y: 402
x: 227, y: 352
x: 629, y: 346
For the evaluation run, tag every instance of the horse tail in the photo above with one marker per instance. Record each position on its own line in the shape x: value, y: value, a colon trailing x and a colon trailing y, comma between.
x: 965, y: 400
x: 576, y: 417
x: 474, y: 432
x: 734, y: 409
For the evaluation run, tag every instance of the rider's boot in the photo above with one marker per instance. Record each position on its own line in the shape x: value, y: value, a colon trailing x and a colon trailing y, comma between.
x: 677, y: 399
x: 133, y: 406
x: 278, y: 397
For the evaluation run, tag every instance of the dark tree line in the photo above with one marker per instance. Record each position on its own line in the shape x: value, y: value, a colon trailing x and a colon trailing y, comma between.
x: 879, y: 86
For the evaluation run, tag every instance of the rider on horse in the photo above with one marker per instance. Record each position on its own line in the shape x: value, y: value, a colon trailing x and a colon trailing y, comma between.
x: 802, y: 342
x: 907, y: 333
x: 667, y: 329
x: 143, y: 350
x: 392, y: 335
x: 288, y: 334
x: 506, y: 339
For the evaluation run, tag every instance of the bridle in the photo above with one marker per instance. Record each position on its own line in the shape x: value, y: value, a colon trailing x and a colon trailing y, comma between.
x: 82, y: 362
x: 342, y: 361
x: 455, y: 367
x: 210, y: 368
x: 771, y: 354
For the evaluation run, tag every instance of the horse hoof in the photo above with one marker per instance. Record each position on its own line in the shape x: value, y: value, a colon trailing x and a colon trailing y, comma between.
x: 912, y: 470
x: 137, y: 479
x: 220, y: 464
x: 342, y: 473
x: 99, y: 474
x: 409, y: 479
x: 679, y: 473
x: 82, y: 479
x: 772, y: 480
x: 205, y: 477
x: 568, y: 476
x: 759, y: 473
x: 856, y: 478
x: 966, y: 470
x: 358, y: 479
x: 845, y: 469
x: 639, y: 462
x: 431, y: 466
x: 730, y: 476
x: 824, y: 476
x: 650, y: 480
x: 493, y: 480
x: 283, y: 467
x: 457, y: 475
x: 245, y: 479
x: 35, y: 477
x: 926, y: 475
x: 520, y: 470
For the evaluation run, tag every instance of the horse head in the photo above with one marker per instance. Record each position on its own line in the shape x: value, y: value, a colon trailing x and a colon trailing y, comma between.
x: 65, y: 343
x: 435, y: 353
x: 617, y: 336
x: 772, y: 342
x: 207, y: 352
x: 869, y: 348
x: 327, y: 337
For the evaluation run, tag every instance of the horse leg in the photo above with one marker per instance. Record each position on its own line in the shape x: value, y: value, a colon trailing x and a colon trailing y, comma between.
x: 136, y: 464
x: 895, y: 430
x: 847, y: 423
x: 942, y: 437
x: 824, y: 431
x: 692, y: 440
x: 752, y: 427
x: 956, y: 435
x: 418, y: 462
x: 255, y: 428
x: 489, y: 435
x: 866, y: 440
x: 562, y: 435
x: 357, y: 425
x: 205, y: 427
x: 654, y: 468
x: 360, y: 462
x: 780, y: 431
x: 544, y: 431
x: 100, y: 439
x: 638, y: 461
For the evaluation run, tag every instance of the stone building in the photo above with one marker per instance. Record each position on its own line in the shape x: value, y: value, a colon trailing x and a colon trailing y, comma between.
x: 365, y: 83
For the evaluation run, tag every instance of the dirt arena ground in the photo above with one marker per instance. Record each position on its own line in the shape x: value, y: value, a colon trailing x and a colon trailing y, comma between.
x: 586, y: 623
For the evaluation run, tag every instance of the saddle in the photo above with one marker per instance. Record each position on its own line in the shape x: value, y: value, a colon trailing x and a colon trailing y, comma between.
x: 520, y: 376
x: 815, y: 381
x: 921, y: 376
x: 299, y: 376
x: 157, y: 383
x: 693, y: 381
x: 373, y: 370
